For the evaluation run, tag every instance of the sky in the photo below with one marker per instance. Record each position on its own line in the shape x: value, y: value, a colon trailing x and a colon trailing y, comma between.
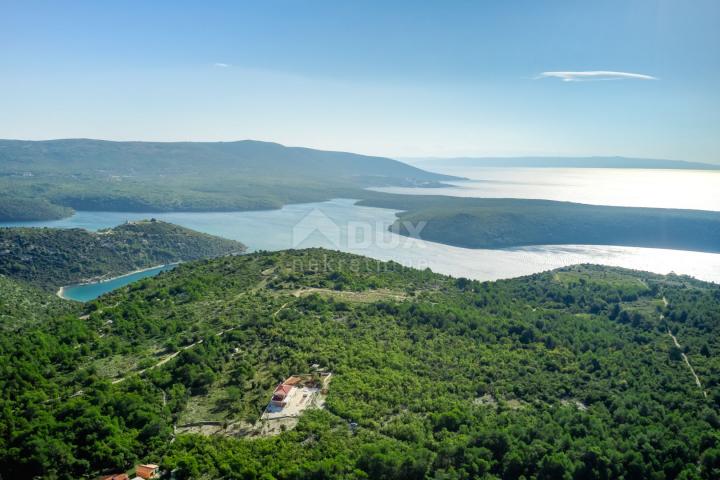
x: 393, y: 78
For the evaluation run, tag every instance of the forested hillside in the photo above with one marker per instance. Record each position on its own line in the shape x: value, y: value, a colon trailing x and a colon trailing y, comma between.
x: 569, y: 374
x: 21, y: 208
x: 84, y: 174
x: 22, y: 306
x: 507, y: 222
x: 53, y: 257
x: 79, y: 156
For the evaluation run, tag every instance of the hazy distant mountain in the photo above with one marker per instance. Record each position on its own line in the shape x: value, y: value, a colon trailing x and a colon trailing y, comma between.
x: 47, y: 179
x: 561, y: 162
x: 83, y: 156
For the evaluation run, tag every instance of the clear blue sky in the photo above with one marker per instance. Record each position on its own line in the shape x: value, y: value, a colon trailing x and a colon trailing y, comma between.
x: 417, y: 78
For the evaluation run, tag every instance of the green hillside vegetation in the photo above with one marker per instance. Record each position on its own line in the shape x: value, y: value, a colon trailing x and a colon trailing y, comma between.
x: 501, y: 223
x: 54, y: 257
x: 78, y: 156
x: 22, y: 306
x: 569, y: 374
x: 184, y: 176
x: 21, y: 208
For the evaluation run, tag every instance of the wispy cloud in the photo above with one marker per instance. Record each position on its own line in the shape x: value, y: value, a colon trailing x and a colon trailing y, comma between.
x: 221, y: 65
x: 595, y: 75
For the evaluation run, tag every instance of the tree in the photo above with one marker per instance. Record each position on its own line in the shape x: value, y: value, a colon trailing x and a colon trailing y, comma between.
x: 555, y: 466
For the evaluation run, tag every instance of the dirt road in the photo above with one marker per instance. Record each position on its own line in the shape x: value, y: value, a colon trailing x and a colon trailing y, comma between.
x: 684, y: 357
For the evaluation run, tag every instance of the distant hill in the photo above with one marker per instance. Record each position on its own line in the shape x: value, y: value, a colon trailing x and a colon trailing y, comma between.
x: 508, y: 222
x: 83, y: 156
x: 563, y: 162
x: 21, y: 208
x: 52, y: 257
x: 50, y: 178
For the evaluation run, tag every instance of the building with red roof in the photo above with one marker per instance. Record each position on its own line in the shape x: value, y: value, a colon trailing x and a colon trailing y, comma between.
x: 147, y: 471
x: 281, y: 394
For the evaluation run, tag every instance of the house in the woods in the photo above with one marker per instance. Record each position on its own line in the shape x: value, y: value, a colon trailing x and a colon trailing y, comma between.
x: 147, y: 471
x: 281, y: 395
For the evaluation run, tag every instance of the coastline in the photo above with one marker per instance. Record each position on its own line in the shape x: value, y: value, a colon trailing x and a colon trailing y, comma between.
x: 61, y: 291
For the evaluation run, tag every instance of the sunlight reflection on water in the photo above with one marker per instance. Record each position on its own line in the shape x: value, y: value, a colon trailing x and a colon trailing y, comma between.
x: 691, y: 189
x: 274, y: 230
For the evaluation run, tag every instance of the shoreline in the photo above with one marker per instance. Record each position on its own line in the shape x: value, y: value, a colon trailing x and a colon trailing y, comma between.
x: 61, y: 291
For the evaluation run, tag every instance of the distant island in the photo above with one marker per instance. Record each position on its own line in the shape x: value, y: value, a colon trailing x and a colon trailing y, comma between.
x: 52, y: 257
x: 561, y: 162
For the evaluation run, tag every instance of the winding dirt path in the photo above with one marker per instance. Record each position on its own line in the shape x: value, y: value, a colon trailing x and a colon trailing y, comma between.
x: 687, y: 362
x: 159, y: 363
x: 275, y: 314
x: 684, y: 357
x: 169, y: 357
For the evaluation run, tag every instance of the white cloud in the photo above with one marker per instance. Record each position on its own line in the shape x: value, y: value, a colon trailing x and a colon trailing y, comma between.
x: 221, y: 65
x: 595, y: 75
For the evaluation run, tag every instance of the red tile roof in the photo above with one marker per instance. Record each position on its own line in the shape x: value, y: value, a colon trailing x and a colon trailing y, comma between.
x: 146, y: 471
x: 282, y: 390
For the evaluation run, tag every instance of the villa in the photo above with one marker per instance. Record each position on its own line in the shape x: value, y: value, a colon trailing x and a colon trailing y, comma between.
x: 281, y: 395
x: 147, y: 471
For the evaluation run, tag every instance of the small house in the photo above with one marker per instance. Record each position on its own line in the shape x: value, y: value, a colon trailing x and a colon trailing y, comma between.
x: 147, y: 471
x: 281, y: 394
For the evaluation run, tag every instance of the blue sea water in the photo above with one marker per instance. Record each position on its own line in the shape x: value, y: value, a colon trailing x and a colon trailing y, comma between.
x: 341, y: 225
x: 89, y: 291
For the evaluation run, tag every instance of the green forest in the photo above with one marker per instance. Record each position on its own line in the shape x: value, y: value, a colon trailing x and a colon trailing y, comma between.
x: 48, y: 179
x: 53, y: 257
x: 24, y: 208
x: 567, y: 374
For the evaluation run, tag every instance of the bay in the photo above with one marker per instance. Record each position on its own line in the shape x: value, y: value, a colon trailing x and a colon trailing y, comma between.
x: 84, y: 292
x: 340, y: 224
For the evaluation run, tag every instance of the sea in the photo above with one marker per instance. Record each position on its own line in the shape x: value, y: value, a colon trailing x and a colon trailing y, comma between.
x: 341, y: 224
